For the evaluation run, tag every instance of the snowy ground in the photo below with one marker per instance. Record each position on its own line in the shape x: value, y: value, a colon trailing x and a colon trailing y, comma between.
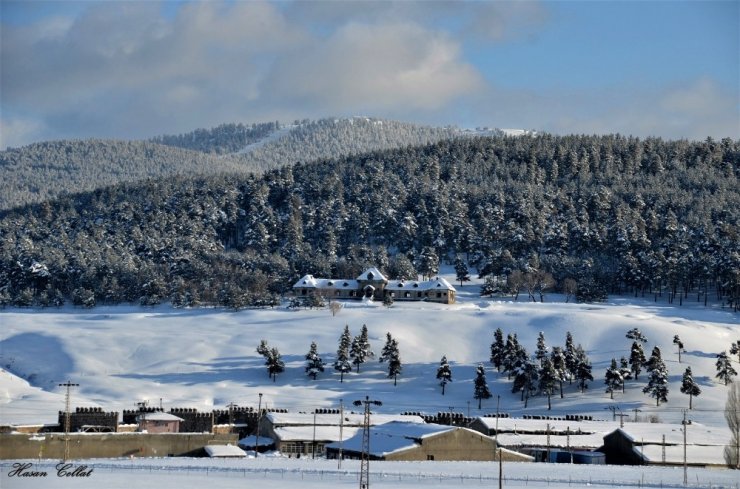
x: 206, y: 358
x: 183, y: 473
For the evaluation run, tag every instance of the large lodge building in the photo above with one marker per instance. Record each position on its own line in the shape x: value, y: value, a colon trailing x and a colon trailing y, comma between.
x: 371, y: 284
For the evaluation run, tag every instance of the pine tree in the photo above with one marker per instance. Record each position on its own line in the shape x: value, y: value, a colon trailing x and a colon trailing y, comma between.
x: 657, y: 385
x: 481, y: 386
x: 547, y: 380
x: 613, y: 378
x: 689, y: 386
x: 461, y: 269
x: 388, y: 300
x: 558, y: 362
x: 725, y: 372
x: 541, y: 351
x: 625, y: 371
x: 511, y: 354
x: 679, y: 344
x: 498, y: 349
x: 342, y: 363
x: 526, y: 380
x: 735, y: 349
x: 314, y: 364
x: 490, y: 286
x: 637, y: 359
x: 570, y: 356
x: 583, y: 368
x: 360, y: 349
x: 394, y: 362
x: 385, y: 353
x: 275, y: 364
x: 444, y: 373
x: 263, y: 349
x: 636, y: 334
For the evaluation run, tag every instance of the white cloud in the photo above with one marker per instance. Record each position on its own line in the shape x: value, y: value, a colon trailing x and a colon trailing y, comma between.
x: 378, y: 66
x: 15, y: 132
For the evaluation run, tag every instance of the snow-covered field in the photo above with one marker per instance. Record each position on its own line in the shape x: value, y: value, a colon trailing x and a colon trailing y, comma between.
x: 206, y: 359
x: 187, y: 473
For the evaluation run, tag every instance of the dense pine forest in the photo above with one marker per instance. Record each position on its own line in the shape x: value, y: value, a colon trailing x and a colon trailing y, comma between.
x: 603, y: 214
x: 42, y: 171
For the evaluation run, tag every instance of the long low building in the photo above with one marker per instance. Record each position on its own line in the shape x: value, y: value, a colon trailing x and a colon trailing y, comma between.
x: 401, y: 441
x: 372, y: 284
x: 301, y: 434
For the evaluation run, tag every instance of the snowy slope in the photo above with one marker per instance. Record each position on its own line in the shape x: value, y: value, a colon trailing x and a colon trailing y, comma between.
x: 206, y: 358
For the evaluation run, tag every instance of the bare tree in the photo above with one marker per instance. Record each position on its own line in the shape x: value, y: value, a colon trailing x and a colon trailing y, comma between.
x: 515, y: 281
x: 569, y: 288
x: 335, y: 307
x: 732, y: 415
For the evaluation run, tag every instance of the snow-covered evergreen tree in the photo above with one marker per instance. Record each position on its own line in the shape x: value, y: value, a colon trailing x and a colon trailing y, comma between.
x: 394, y: 362
x: 444, y: 373
x: 541, y: 353
x: 263, y: 349
x: 498, y: 348
x: 583, y: 368
x: 725, y: 371
x: 657, y: 385
x: 679, y: 345
x: 481, y: 386
x: 689, y: 386
x: 548, y: 380
x: 511, y: 354
x: 735, y: 349
x: 558, y: 362
x: 342, y: 362
x: 636, y: 334
x: 570, y: 356
x: 275, y: 364
x: 387, y: 351
x: 461, y: 270
x: 490, y: 286
x: 360, y: 349
x: 314, y: 364
x: 625, y: 370
x: 526, y: 380
x: 613, y: 378
x: 637, y: 358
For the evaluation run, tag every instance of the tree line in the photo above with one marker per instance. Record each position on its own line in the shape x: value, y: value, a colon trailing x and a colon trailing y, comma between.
x: 587, y: 215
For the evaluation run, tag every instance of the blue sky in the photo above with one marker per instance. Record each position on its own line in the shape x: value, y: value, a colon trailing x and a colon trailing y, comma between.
x: 136, y: 69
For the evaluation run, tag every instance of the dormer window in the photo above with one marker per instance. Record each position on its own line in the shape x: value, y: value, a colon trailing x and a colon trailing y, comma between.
x: 370, y: 275
x: 416, y: 285
x: 345, y: 284
x: 400, y: 284
x: 330, y: 283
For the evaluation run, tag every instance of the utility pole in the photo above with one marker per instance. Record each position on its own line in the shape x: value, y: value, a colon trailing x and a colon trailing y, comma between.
x: 313, y: 441
x: 231, y: 407
x: 341, y: 429
x: 548, y: 443
x: 67, y: 418
x: 621, y: 419
x: 365, y: 463
x: 685, y: 473
x: 500, y: 462
x: 259, y: 421
x: 636, y: 411
x: 614, y: 410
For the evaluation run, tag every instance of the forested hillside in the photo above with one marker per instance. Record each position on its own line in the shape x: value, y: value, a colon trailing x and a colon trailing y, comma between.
x: 44, y: 170
x: 607, y: 213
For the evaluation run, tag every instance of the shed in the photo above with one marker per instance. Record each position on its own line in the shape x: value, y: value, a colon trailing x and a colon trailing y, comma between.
x: 159, y: 422
x: 225, y: 451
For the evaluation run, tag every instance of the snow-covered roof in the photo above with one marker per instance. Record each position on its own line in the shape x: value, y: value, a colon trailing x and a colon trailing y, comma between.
x: 698, y: 434
x: 394, y: 437
x: 322, y: 433
x: 437, y: 283
x: 158, y: 416
x: 695, y: 454
x: 225, y: 451
x: 512, y: 440
x: 327, y: 283
x: 251, y: 441
x: 350, y: 419
x: 373, y: 274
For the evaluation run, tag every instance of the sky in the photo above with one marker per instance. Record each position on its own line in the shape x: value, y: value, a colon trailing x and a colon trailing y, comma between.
x: 137, y: 69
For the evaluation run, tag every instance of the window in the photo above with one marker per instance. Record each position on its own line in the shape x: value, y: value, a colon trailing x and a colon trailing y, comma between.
x: 370, y: 276
x: 407, y: 294
x: 439, y: 294
x: 337, y: 293
x: 303, y: 291
x: 430, y: 457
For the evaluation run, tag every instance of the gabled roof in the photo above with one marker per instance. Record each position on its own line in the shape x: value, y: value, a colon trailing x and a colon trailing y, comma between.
x: 372, y: 274
x: 225, y: 451
x: 437, y: 283
x: 158, y: 416
x: 310, y: 281
x: 350, y: 419
x: 394, y: 437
